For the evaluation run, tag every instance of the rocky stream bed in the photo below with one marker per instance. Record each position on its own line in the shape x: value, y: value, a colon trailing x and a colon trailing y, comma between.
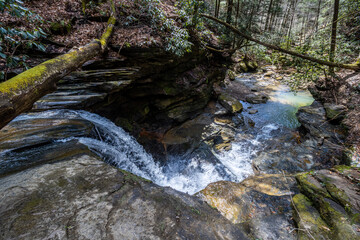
x: 163, y: 149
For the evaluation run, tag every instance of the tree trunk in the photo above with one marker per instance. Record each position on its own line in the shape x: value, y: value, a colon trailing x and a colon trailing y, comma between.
x: 18, y: 94
x: 333, y: 33
x: 217, y: 8
x: 229, y: 11
x: 354, y: 66
x: 317, y: 16
x: 268, y: 15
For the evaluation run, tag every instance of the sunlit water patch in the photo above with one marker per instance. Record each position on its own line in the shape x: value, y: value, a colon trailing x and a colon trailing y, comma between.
x: 281, y: 107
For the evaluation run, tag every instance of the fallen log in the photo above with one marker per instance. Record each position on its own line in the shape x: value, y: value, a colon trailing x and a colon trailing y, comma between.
x: 19, y: 93
x: 354, y: 66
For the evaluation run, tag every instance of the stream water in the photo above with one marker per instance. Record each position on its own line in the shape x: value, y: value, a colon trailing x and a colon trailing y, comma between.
x: 190, y: 175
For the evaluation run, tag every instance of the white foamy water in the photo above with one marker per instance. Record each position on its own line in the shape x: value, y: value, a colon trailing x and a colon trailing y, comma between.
x: 120, y: 149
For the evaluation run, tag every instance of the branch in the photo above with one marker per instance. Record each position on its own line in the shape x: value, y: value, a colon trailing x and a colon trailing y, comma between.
x: 354, y: 66
x: 220, y: 51
x: 18, y: 94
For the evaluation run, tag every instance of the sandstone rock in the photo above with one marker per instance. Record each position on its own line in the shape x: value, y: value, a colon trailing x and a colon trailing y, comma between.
x: 309, y: 220
x: 84, y: 198
x: 230, y: 103
x: 256, y: 98
x: 335, y: 112
x: 241, y: 67
x: 257, y: 203
x: 220, y: 110
x: 313, y: 119
x: 269, y: 74
x: 253, y: 111
x: 223, y: 120
x: 329, y: 205
x: 252, y: 65
x: 231, y: 75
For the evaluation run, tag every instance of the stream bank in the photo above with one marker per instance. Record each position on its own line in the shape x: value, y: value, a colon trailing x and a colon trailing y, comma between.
x: 198, y: 131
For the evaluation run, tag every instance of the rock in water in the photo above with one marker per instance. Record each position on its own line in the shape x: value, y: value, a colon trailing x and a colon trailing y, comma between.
x: 84, y: 198
x: 230, y: 103
x: 257, y: 98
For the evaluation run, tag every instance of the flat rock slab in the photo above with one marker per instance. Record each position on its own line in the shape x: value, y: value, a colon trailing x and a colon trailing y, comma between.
x: 84, y: 198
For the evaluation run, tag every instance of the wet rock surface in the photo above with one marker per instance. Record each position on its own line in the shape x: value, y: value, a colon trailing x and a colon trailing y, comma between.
x: 30, y: 142
x: 84, y: 198
x: 81, y: 90
x: 261, y: 204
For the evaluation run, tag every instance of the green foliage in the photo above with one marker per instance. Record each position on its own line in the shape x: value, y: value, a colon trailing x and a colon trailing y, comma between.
x: 13, y: 38
x: 177, y: 36
x: 177, y: 39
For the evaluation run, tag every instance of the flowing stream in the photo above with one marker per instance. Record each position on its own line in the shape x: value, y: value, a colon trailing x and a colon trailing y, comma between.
x: 190, y: 175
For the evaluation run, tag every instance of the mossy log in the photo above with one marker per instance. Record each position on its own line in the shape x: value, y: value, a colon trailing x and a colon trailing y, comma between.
x: 19, y: 93
x: 354, y: 66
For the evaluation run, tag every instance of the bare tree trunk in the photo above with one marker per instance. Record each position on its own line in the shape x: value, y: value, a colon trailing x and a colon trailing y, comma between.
x: 317, y: 16
x: 19, y: 93
x: 252, y: 12
x: 286, y: 16
x: 333, y: 33
x: 217, y: 8
x: 229, y: 11
x: 355, y: 66
x: 268, y: 15
x: 236, y: 19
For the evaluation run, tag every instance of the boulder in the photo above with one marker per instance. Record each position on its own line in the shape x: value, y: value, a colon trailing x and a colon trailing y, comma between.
x: 241, y: 67
x: 335, y: 112
x: 230, y: 103
x: 231, y: 75
x: 256, y: 98
x: 313, y: 119
x: 252, y: 65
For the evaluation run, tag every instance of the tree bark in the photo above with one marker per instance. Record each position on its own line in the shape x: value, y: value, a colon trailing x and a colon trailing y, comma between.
x: 317, y: 16
x: 333, y: 33
x: 19, y: 93
x: 355, y: 66
x: 268, y: 15
x: 229, y: 11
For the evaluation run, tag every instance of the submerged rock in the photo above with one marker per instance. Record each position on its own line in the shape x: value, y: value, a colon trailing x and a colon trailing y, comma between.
x: 257, y: 98
x: 84, y: 198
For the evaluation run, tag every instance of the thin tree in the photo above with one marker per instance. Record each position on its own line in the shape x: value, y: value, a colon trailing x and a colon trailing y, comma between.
x: 333, y: 34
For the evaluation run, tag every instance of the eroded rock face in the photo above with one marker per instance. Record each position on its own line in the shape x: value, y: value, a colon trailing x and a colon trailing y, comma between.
x: 84, y: 198
x: 316, y: 127
x: 260, y: 204
x: 30, y: 142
